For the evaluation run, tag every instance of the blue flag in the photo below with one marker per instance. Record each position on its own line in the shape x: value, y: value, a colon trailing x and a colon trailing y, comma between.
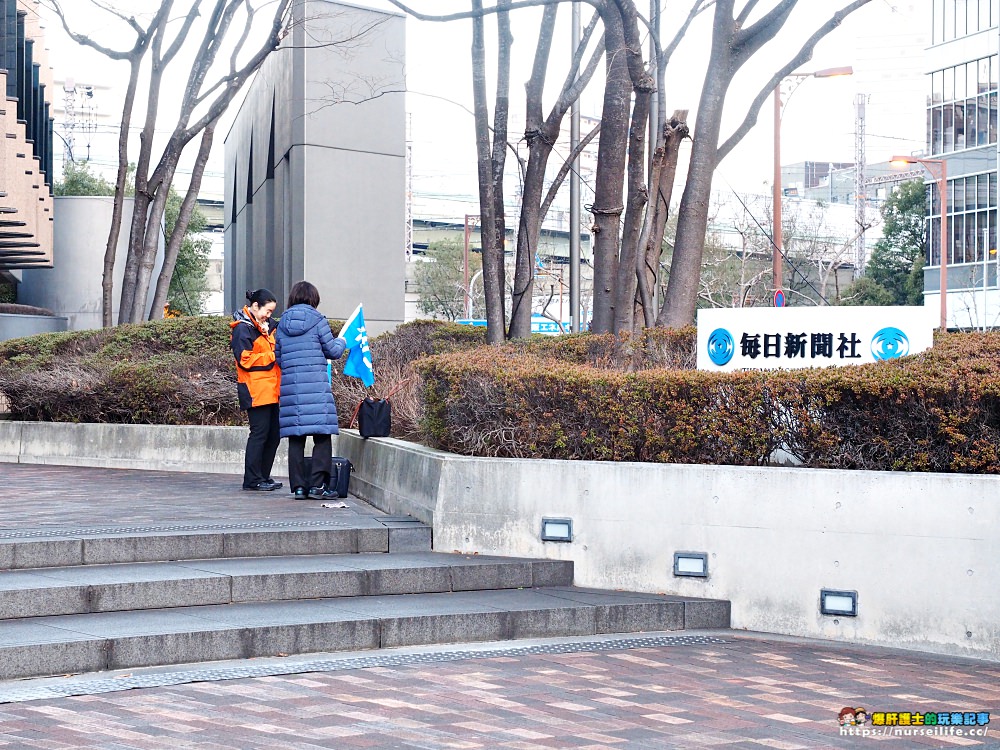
x: 359, y: 357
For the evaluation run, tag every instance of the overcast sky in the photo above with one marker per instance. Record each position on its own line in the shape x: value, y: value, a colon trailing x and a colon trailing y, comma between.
x: 884, y: 42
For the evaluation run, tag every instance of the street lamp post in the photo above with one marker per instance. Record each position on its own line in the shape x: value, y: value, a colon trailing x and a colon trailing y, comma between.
x: 940, y: 176
x: 465, y: 266
x: 776, y: 239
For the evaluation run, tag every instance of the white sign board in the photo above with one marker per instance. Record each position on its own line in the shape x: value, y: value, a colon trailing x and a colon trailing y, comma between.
x: 758, y: 338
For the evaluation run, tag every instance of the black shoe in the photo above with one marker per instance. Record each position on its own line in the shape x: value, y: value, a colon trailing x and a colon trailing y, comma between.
x: 323, y: 493
x: 274, y: 485
x: 300, y: 493
x: 263, y: 486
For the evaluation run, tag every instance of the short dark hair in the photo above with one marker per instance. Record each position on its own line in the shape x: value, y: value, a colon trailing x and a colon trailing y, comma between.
x: 260, y: 297
x: 303, y: 293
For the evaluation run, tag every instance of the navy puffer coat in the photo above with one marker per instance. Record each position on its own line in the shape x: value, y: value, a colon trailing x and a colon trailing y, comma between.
x: 303, y: 344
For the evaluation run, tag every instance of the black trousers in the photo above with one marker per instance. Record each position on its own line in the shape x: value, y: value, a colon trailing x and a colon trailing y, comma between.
x: 262, y: 444
x: 322, y: 454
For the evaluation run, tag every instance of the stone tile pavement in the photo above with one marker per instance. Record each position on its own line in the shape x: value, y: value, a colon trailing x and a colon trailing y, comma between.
x: 36, y: 496
x: 751, y: 691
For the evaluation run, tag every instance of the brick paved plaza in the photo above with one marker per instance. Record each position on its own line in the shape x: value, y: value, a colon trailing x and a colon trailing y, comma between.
x: 749, y: 692
x: 726, y: 689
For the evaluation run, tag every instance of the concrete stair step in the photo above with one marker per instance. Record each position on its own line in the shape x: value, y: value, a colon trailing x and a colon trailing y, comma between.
x: 58, y: 547
x: 80, y: 589
x: 64, y: 644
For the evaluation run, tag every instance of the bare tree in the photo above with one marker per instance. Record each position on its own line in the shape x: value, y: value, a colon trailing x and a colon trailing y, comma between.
x: 541, y: 134
x: 734, y: 43
x: 627, y: 229
x: 226, y: 28
x: 736, y: 276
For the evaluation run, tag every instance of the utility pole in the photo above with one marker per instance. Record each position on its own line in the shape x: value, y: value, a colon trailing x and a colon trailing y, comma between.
x: 69, y: 104
x: 859, y: 185
x: 408, y: 240
x: 574, y: 194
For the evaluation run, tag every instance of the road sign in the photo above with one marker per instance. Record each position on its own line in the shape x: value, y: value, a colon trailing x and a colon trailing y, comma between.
x: 779, y: 298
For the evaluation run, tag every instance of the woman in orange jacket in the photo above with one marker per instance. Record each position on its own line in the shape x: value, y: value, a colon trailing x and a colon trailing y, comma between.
x: 258, y: 379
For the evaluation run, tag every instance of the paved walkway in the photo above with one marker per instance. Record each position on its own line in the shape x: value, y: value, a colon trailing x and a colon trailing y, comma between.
x: 722, y: 689
x: 45, y: 496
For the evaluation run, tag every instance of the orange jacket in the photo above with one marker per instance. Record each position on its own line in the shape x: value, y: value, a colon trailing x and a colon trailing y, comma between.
x: 258, y: 376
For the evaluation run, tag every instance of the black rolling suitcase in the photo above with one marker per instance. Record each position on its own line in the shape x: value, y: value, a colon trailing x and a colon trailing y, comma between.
x: 340, y: 475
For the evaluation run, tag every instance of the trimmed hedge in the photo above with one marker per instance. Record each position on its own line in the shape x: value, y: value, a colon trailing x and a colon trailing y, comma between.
x: 935, y: 411
x: 181, y: 371
x: 633, y: 398
x: 175, y: 371
x: 12, y: 308
x: 393, y: 357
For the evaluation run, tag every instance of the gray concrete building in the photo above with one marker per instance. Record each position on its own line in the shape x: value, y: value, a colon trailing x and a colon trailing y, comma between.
x: 315, y: 166
x: 72, y: 288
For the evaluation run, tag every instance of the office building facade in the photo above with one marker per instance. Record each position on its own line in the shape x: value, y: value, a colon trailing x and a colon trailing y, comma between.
x: 315, y: 166
x: 25, y: 141
x: 962, y: 133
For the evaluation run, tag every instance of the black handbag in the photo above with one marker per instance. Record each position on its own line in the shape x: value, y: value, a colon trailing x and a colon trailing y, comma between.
x: 375, y: 417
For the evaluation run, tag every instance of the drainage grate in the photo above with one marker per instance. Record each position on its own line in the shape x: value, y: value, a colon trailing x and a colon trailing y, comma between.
x: 122, y: 530
x: 26, y: 691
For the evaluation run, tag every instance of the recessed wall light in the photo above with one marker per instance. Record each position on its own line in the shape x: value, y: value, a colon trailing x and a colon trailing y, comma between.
x: 557, y: 529
x: 693, y: 564
x: 842, y: 603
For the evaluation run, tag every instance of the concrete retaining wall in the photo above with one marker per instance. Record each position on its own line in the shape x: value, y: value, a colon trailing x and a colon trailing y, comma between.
x: 15, y: 326
x: 920, y: 549
x: 217, y: 450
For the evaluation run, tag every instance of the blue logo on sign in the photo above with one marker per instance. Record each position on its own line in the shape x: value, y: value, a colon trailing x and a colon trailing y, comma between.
x: 720, y: 346
x: 890, y: 343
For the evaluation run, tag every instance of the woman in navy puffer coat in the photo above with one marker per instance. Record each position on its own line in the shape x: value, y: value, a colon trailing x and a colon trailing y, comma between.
x: 303, y: 344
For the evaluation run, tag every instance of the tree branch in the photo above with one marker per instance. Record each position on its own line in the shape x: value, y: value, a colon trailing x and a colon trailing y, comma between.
x: 182, y: 34
x: 86, y: 41
x: 251, y: 11
x: 236, y: 81
x: 480, y: 12
x: 747, y: 41
x: 573, y: 88
x: 564, y: 170
x: 130, y: 20
x: 802, y: 56
x: 696, y: 10
x: 745, y: 13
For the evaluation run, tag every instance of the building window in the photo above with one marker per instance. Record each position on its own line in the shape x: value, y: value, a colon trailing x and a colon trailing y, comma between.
x: 954, y: 19
x: 972, y: 220
x: 962, y: 111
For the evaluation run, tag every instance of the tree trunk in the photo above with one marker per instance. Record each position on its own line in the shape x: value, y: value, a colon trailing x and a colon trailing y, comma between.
x: 180, y: 226
x: 692, y: 217
x: 638, y: 196
x: 676, y: 130
x: 501, y: 109
x: 493, y: 286
x: 610, y: 176
x: 540, y: 141
x: 111, y: 250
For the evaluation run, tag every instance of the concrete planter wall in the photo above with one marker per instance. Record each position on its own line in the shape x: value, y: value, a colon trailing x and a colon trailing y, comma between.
x: 919, y: 549
x: 16, y: 326
x: 216, y: 450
